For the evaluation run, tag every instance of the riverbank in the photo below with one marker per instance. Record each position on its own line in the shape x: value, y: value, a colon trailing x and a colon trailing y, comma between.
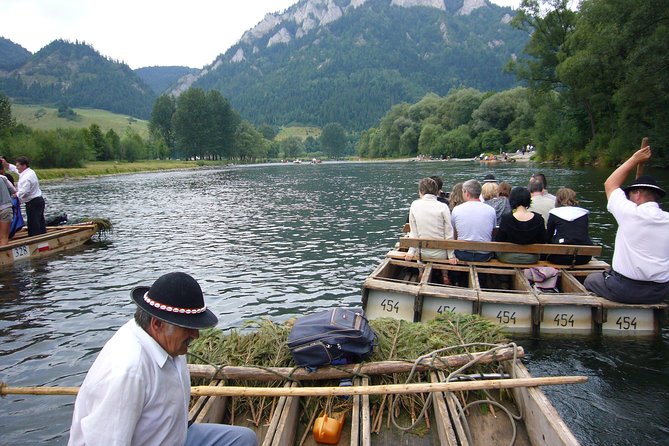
x: 101, y: 168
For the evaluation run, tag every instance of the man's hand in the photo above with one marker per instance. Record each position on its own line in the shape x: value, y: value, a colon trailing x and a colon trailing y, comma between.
x: 617, y: 178
x: 642, y: 155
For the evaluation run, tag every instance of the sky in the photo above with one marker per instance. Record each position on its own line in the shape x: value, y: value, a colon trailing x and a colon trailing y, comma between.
x: 141, y: 33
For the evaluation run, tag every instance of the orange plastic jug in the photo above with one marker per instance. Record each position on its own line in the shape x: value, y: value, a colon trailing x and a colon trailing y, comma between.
x: 328, y: 430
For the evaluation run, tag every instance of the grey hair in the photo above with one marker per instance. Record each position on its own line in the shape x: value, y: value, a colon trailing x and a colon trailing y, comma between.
x: 536, y: 185
x: 472, y: 187
x: 143, y: 319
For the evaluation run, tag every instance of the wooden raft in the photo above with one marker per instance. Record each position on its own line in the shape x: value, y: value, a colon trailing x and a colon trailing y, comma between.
x: 410, y: 290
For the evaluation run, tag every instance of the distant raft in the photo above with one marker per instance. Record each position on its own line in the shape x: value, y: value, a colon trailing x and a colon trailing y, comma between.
x: 57, y: 238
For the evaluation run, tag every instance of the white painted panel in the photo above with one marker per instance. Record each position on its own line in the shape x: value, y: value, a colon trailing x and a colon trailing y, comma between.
x: 432, y: 306
x: 515, y: 317
x: 566, y: 319
x: 389, y: 304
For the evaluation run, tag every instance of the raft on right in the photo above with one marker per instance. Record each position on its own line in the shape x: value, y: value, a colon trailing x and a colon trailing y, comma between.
x: 537, y: 299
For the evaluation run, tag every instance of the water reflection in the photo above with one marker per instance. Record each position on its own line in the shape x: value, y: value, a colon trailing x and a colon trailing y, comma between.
x: 275, y: 240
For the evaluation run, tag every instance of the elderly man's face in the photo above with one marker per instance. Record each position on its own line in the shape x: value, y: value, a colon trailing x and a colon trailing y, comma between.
x: 173, y: 339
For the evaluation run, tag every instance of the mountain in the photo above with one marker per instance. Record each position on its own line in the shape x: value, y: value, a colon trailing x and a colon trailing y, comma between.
x: 162, y: 78
x: 77, y: 75
x: 12, y: 55
x: 349, y: 61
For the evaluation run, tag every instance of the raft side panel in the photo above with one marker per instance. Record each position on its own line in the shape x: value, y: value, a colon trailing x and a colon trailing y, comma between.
x: 445, y: 428
x: 288, y: 419
x: 542, y: 422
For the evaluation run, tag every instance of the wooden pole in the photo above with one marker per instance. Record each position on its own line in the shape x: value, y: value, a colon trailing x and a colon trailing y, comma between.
x: 345, y: 371
x: 395, y: 389
x: 640, y: 166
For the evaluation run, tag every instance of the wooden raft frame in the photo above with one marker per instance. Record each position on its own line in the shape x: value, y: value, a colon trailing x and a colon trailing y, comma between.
x: 56, y: 239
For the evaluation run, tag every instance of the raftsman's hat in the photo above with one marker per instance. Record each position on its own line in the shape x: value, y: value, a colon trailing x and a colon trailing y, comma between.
x: 175, y: 298
x: 489, y: 178
x: 647, y: 182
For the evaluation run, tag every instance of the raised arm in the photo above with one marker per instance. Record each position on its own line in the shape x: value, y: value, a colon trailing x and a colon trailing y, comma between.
x: 618, y: 177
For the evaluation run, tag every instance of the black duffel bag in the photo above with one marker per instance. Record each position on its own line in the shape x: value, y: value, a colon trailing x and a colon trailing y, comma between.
x: 336, y: 336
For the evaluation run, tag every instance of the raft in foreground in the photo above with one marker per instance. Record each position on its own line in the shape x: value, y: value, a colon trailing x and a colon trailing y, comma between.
x: 500, y: 292
x: 539, y: 422
x: 56, y: 239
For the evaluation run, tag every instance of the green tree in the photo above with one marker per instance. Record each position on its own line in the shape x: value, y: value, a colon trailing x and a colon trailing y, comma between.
x: 269, y: 132
x: 100, y: 145
x: 191, y: 123
x: 249, y: 142
x: 222, y: 124
x: 114, y: 143
x: 7, y: 122
x: 333, y: 139
x: 161, y: 124
x: 550, y: 23
x: 133, y: 147
x: 291, y: 147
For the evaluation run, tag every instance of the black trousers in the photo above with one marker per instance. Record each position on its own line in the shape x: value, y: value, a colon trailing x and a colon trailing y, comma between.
x: 35, y: 216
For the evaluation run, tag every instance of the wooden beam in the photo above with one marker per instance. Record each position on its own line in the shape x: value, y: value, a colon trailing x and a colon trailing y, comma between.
x: 346, y: 371
x: 536, y: 248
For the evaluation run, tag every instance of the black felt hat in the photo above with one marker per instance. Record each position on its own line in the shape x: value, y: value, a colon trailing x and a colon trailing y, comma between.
x: 175, y: 298
x: 646, y: 182
x: 489, y: 178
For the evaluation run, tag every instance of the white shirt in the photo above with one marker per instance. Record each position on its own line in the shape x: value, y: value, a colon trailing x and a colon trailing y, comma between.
x: 431, y: 219
x: 134, y: 394
x: 474, y: 221
x: 28, y: 185
x: 642, y: 241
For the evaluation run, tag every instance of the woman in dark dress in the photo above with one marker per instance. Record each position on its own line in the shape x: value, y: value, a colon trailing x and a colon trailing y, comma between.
x: 520, y: 226
x: 567, y: 224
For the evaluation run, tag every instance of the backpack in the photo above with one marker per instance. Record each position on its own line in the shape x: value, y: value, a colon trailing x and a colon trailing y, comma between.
x: 336, y: 336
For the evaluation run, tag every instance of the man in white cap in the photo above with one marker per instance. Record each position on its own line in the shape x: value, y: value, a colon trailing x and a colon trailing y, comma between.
x: 137, y: 392
x: 640, y: 267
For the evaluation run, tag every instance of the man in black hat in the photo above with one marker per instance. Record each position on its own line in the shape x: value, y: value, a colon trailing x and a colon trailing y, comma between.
x: 640, y: 267
x: 137, y: 392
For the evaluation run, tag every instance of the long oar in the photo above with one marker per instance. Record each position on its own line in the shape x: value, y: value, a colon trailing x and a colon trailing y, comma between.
x: 396, y: 389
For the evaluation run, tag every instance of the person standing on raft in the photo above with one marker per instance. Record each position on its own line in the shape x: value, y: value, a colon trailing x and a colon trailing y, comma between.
x: 640, y: 266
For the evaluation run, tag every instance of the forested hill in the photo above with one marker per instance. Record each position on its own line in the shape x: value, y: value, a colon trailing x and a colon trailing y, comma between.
x: 349, y: 61
x: 162, y: 78
x: 12, y: 55
x: 76, y: 75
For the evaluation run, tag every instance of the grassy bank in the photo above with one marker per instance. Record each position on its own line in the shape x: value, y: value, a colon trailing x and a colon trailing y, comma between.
x: 97, y: 168
x: 44, y: 117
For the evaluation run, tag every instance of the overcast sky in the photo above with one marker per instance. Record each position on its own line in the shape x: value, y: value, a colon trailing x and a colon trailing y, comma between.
x: 141, y: 33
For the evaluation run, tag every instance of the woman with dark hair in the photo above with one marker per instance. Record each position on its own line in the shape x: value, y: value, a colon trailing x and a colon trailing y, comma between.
x: 567, y: 224
x: 520, y: 226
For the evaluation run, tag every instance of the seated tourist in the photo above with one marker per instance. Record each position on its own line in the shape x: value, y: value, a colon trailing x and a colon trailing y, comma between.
x: 473, y: 221
x: 521, y: 226
x: 567, y: 224
x: 430, y: 219
x: 489, y: 193
x: 540, y: 203
x: 455, y: 198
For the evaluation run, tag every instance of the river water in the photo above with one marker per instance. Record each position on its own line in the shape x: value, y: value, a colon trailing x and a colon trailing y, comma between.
x: 278, y: 241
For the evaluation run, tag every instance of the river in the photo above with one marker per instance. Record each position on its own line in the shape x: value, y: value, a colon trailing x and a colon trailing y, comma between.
x: 278, y: 241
